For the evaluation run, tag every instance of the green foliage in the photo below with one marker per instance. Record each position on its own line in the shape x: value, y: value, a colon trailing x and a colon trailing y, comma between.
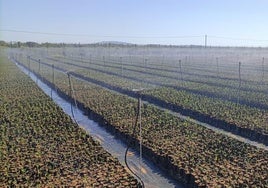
x: 40, y: 146
x: 213, y: 159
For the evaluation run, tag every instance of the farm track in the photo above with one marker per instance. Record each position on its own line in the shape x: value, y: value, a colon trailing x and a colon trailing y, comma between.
x: 234, y: 129
x: 178, y: 88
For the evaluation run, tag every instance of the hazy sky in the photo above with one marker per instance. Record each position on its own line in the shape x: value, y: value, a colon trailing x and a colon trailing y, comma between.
x: 136, y: 21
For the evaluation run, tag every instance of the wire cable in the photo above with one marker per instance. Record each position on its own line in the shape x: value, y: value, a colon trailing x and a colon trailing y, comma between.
x: 234, y: 38
x: 104, y: 36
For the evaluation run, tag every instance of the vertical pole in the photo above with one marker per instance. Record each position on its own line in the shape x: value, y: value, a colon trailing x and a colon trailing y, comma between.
x: 39, y: 66
x: 53, y: 80
x: 143, y: 60
x: 109, y: 51
x: 121, y: 66
x: 72, y: 89
x: 53, y: 75
x: 130, y: 59
x: 206, y: 38
x: 144, y: 68
x: 239, y: 74
x: 90, y: 58
x: 38, y: 72
x: 103, y: 58
x: 217, y: 61
x: 180, y: 71
x: 139, y: 111
x: 262, y: 79
x: 29, y: 65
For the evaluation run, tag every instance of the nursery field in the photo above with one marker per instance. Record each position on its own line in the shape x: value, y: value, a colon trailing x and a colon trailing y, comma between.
x: 214, y: 94
x: 211, y: 86
x: 40, y: 146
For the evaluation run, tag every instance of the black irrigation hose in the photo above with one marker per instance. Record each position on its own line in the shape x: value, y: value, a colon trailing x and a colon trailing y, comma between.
x: 129, y: 143
x: 128, y: 146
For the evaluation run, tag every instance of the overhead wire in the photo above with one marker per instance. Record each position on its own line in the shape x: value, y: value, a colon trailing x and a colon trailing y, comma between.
x: 132, y: 36
x: 104, y: 36
x: 234, y: 38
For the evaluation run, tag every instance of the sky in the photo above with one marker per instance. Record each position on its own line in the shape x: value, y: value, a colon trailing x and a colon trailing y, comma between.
x: 177, y: 22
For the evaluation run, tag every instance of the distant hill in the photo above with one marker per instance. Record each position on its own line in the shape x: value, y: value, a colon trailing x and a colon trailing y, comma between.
x: 114, y: 42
